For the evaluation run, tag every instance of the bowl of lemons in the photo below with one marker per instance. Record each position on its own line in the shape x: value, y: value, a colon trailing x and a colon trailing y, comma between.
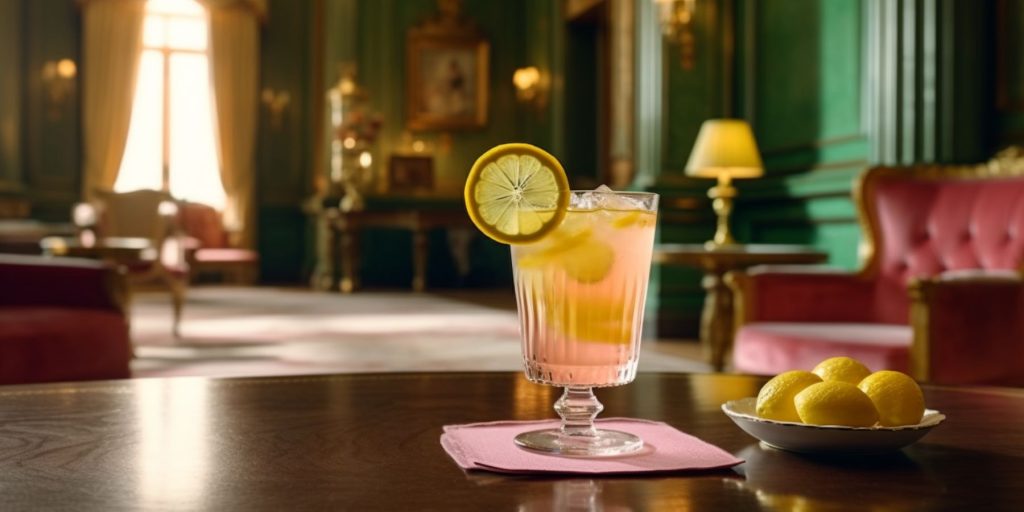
x: 839, y: 406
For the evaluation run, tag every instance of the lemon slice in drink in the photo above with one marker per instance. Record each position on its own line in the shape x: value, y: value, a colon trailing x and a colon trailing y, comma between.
x: 583, y: 258
x: 516, y: 193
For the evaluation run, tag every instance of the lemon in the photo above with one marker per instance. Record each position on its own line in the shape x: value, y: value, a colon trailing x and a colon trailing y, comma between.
x: 516, y: 193
x: 775, y: 400
x: 579, y: 254
x: 842, y: 369
x: 835, y: 403
x: 588, y: 262
x: 594, y: 318
x: 896, y: 396
x: 641, y: 219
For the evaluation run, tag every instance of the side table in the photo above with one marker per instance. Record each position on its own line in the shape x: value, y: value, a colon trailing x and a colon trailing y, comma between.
x: 121, y: 251
x: 717, y: 323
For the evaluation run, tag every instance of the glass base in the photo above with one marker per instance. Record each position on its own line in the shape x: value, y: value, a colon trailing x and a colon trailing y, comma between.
x: 602, y: 443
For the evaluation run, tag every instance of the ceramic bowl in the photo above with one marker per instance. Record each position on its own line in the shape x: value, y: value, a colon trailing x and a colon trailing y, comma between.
x: 799, y: 437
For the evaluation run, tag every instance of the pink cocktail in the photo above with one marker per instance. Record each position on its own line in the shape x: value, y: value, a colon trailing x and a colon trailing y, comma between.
x: 581, y: 291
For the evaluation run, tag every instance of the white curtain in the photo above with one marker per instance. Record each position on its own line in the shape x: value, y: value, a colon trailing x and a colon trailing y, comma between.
x: 234, y: 70
x: 112, y: 31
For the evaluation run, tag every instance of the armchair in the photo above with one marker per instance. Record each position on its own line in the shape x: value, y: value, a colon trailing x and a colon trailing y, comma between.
x: 213, y: 249
x: 149, y: 215
x: 940, y: 294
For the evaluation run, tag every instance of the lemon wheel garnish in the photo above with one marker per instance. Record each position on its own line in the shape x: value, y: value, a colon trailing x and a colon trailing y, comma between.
x: 516, y: 193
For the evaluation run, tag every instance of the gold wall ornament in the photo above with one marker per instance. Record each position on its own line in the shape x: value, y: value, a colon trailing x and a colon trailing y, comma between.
x: 677, y: 17
x: 59, y: 80
x: 276, y: 103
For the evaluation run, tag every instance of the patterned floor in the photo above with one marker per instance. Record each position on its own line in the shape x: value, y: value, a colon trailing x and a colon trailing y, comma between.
x: 275, y: 331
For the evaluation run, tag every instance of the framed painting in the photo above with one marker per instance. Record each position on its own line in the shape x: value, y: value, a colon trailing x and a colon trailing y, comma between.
x: 410, y: 174
x: 446, y: 76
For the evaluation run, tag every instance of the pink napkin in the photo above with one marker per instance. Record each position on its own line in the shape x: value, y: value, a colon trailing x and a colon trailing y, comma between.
x: 489, y: 446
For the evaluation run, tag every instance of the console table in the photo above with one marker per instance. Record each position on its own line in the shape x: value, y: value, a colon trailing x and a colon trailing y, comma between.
x: 338, y: 258
x: 717, y: 323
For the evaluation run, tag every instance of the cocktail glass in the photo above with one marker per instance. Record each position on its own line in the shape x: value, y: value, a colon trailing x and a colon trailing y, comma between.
x: 580, y: 292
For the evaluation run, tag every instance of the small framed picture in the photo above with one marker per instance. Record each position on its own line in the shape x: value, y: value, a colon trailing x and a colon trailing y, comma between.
x: 410, y: 173
x: 446, y: 79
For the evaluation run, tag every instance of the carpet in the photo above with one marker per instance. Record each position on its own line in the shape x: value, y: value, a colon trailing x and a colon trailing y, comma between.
x: 236, y: 331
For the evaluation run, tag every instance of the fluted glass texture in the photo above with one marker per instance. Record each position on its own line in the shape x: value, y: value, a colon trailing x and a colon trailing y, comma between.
x: 581, y: 291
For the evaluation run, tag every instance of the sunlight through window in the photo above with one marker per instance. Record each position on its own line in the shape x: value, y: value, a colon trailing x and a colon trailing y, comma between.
x: 171, y: 141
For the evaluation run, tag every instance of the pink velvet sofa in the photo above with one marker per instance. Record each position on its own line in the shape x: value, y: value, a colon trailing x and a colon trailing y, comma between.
x: 62, y: 319
x: 940, y: 294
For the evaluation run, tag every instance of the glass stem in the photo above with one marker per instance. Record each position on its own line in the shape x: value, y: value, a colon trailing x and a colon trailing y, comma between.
x: 578, y: 407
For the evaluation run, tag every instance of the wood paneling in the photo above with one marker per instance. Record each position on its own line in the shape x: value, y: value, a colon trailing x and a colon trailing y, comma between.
x: 808, y: 72
x: 10, y: 96
x: 52, y: 149
x: 1009, y: 82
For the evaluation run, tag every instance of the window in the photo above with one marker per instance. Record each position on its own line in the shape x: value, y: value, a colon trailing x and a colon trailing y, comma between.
x: 171, y: 141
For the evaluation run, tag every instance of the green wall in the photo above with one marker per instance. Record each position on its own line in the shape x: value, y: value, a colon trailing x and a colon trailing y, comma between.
x: 804, y: 97
x: 381, y: 52
x: 830, y: 88
x: 40, y: 150
x: 1009, y: 83
x: 284, y: 157
x: 10, y: 97
x: 375, y: 39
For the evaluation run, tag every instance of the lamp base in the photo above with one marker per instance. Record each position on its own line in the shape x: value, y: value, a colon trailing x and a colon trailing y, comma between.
x: 722, y: 195
x: 712, y: 245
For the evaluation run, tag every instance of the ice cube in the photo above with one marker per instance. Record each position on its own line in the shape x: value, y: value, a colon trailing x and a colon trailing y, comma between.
x: 607, y: 198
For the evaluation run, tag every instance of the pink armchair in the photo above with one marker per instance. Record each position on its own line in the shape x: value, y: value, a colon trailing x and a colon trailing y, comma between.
x: 940, y: 295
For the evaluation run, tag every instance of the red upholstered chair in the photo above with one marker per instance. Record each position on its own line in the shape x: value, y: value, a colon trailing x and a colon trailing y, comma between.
x: 213, y: 248
x: 940, y: 294
x: 62, y: 319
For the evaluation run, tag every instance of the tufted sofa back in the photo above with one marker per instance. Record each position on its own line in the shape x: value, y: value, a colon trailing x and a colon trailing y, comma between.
x: 926, y: 225
x: 203, y: 223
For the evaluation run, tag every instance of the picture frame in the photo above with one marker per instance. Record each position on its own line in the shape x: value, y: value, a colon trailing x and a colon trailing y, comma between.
x: 408, y: 173
x: 446, y: 79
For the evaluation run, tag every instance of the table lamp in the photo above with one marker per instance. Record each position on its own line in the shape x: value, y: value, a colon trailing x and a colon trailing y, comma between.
x: 725, y: 149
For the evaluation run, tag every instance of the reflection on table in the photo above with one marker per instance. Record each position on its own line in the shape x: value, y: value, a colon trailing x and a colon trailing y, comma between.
x: 371, y: 442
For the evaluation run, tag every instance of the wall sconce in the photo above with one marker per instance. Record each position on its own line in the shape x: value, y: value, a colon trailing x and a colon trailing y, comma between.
x: 276, y: 103
x: 531, y: 86
x: 677, y: 25
x: 59, y: 81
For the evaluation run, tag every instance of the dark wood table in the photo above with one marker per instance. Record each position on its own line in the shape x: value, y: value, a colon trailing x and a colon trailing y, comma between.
x: 717, y: 321
x: 371, y: 442
x: 338, y: 265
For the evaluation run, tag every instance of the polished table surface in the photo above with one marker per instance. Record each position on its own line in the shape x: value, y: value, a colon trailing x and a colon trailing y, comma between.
x: 370, y: 442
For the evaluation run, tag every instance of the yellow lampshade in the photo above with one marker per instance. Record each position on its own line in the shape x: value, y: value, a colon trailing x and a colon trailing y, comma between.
x: 725, y: 148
